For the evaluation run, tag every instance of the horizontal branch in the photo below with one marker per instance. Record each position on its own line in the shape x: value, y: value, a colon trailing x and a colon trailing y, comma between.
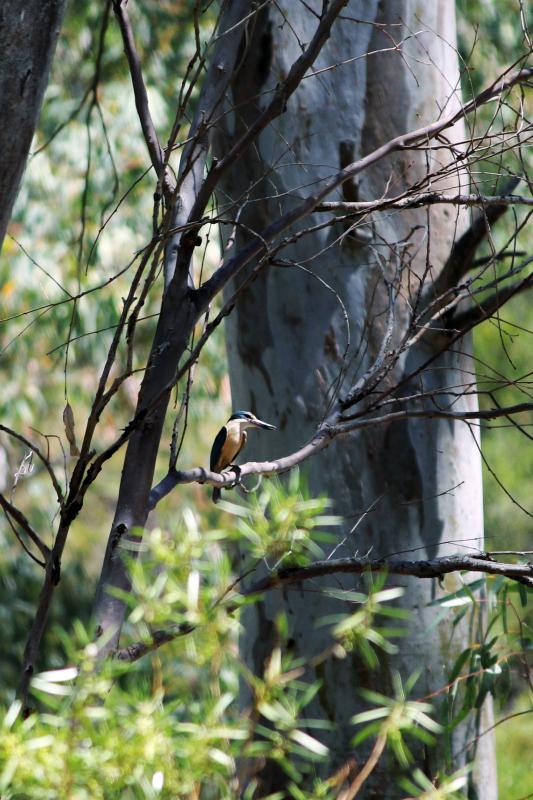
x: 322, y: 439
x: 137, y: 650
x: 430, y: 568
x: 427, y: 199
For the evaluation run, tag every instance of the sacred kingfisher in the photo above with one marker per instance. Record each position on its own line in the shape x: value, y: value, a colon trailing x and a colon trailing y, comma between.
x: 230, y: 440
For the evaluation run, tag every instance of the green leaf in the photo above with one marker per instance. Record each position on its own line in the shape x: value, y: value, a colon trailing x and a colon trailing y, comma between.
x: 460, y: 661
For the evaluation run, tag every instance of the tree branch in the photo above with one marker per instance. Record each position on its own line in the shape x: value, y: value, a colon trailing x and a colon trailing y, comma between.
x: 158, y: 638
x: 194, y: 156
x: 275, y: 108
x: 322, y: 439
x: 429, y: 568
x: 406, y: 141
x: 139, y: 88
x: 465, y: 320
x: 421, y: 199
x: 21, y: 520
x: 40, y: 456
x: 462, y: 254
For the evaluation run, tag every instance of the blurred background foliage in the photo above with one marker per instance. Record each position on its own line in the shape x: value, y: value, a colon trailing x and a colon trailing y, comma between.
x: 491, y: 38
x: 84, y: 210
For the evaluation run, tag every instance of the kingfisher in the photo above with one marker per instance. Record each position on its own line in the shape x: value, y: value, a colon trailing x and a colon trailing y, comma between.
x: 230, y: 440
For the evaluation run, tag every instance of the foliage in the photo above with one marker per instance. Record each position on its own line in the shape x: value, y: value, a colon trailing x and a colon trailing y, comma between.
x: 19, y: 589
x: 513, y: 737
x: 491, y: 36
x: 283, y: 523
x: 170, y: 726
x: 392, y: 717
x: 361, y: 631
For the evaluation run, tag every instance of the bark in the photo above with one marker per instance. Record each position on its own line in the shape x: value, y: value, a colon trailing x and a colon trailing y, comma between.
x: 176, y: 321
x: 28, y: 36
x: 287, y: 336
x: 180, y: 309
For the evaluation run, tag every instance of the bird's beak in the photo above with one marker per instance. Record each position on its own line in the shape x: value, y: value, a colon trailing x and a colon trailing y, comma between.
x: 260, y: 424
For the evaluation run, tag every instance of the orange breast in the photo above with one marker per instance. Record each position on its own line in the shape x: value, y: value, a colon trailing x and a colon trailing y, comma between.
x: 232, y: 447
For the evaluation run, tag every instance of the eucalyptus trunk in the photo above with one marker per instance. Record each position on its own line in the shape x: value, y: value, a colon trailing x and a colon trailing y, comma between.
x: 287, y: 336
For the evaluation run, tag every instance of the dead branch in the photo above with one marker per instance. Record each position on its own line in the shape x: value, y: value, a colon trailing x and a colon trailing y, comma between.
x: 42, y: 458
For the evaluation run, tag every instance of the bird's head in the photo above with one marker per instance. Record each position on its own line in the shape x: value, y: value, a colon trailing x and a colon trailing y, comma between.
x: 248, y: 420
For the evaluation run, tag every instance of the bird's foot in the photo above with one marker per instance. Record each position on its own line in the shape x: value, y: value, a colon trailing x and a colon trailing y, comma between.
x: 237, y: 470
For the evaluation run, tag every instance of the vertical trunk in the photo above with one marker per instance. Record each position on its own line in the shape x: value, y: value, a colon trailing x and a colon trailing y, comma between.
x: 28, y: 36
x: 287, y: 327
x: 176, y: 321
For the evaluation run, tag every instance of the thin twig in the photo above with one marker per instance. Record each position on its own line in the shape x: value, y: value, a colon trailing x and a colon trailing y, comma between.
x: 369, y: 766
x: 21, y: 520
x: 40, y: 456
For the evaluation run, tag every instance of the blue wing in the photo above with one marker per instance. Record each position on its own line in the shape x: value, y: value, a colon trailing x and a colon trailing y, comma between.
x: 216, y: 450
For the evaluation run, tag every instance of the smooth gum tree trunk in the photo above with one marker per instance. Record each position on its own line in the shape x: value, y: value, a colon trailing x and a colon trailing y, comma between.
x: 287, y: 336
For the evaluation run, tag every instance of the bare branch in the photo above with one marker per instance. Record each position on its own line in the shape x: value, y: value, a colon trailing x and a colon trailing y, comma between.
x: 405, y: 141
x: 22, y: 520
x: 330, y: 430
x: 276, y: 106
x: 429, y: 568
x: 421, y: 199
x: 139, y: 89
x: 195, y: 152
x: 465, y: 320
x: 368, y: 767
x: 461, y: 258
x: 381, y: 364
x: 40, y: 456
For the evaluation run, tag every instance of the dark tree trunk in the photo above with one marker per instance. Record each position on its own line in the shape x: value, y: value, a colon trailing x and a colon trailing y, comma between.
x: 28, y: 36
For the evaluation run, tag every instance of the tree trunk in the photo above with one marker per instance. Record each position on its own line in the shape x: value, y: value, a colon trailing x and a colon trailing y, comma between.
x: 28, y: 36
x: 287, y: 336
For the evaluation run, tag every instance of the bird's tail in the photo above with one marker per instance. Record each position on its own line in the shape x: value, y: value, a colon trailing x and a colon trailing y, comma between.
x: 216, y: 495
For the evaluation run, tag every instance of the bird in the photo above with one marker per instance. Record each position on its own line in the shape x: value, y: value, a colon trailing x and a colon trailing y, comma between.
x: 230, y: 440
